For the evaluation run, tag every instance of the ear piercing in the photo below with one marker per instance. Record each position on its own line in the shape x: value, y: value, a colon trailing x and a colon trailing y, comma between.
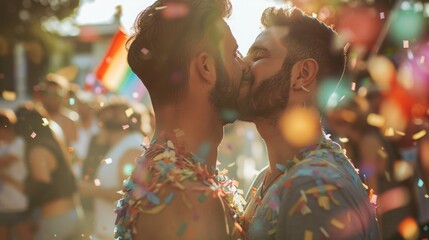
x: 304, y: 88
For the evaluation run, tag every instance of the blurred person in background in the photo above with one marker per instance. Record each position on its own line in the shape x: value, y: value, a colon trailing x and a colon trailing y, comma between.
x: 54, y: 93
x: 309, y: 190
x: 121, y: 131
x: 87, y: 107
x: 50, y: 185
x: 14, y: 216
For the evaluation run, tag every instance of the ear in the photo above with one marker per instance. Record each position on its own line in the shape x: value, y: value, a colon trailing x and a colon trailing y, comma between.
x: 206, y: 67
x: 305, y: 73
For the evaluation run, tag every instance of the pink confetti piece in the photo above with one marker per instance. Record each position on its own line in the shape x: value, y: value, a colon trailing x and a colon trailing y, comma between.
x: 382, y: 15
x: 422, y: 59
x: 124, y: 127
x: 353, y: 86
x: 406, y: 44
x: 33, y: 135
x: 145, y: 51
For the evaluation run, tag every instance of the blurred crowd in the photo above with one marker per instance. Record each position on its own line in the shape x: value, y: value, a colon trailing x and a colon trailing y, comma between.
x: 63, y: 158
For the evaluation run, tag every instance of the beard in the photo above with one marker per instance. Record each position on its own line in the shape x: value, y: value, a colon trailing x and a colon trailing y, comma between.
x: 224, y: 95
x: 269, y: 99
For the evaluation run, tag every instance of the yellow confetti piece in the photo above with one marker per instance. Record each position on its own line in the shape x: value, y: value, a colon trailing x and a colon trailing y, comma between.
x: 45, y: 122
x: 129, y: 112
x: 324, y: 202
x: 324, y: 232
x: 327, y: 187
x: 337, y: 224
x: 376, y: 120
x: 305, y: 210
x: 154, y: 210
x: 389, y: 132
x: 308, y: 235
x: 419, y: 135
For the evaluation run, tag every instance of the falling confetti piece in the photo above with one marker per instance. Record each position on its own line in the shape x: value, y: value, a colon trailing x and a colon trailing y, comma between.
x: 129, y: 112
x: 324, y: 232
x: 337, y: 224
x: 145, y: 51
x: 108, y: 161
x: 343, y: 140
x: 45, y: 122
x: 406, y: 44
x: 420, y: 183
x: 382, y: 15
x: 419, y: 135
x: 97, y: 182
x: 231, y: 165
x: 72, y: 101
x: 389, y: 132
x: 181, y: 229
x: 375, y: 120
x: 422, y: 59
x: 124, y: 127
x: 70, y: 149
x: 160, y: 8
x: 33, y: 135
x: 353, y: 86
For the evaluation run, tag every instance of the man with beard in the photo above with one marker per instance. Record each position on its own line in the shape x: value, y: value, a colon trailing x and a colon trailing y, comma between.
x: 310, y: 190
x: 185, y: 54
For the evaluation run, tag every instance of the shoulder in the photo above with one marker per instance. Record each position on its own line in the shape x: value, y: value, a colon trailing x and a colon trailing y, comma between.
x: 191, y: 211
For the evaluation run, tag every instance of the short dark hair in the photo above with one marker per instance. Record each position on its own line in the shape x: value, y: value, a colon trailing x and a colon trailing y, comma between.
x: 161, y: 48
x: 308, y: 37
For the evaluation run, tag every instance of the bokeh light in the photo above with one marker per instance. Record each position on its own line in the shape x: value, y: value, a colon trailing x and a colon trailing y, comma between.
x: 407, y: 23
x: 300, y: 126
x: 382, y: 71
x: 409, y: 229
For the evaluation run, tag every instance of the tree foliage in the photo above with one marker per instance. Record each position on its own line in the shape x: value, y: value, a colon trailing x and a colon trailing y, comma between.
x: 24, y: 18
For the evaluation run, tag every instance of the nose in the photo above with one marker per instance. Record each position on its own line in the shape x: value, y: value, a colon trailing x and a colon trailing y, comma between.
x: 245, y: 64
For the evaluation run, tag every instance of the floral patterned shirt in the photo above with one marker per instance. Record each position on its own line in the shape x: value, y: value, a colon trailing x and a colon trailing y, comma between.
x: 319, y: 196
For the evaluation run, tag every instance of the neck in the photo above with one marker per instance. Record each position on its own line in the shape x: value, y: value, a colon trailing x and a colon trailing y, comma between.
x: 279, y: 149
x: 201, y: 131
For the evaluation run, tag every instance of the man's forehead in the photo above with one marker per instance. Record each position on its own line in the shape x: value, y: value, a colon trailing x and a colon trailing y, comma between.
x: 271, y: 36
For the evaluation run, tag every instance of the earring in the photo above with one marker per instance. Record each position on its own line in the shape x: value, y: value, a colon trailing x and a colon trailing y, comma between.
x: 304, y: 88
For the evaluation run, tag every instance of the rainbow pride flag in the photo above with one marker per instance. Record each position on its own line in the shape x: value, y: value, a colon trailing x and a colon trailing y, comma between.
x: 115, y: 74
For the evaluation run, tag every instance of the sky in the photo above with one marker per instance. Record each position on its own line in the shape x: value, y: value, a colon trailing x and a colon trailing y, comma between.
x: 244, y: 21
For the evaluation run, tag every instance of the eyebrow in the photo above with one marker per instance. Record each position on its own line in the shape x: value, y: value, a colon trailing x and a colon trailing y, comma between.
x: 256, y: 48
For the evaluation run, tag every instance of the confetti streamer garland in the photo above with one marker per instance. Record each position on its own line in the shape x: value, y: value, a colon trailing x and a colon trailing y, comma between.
x: 164, y: 165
